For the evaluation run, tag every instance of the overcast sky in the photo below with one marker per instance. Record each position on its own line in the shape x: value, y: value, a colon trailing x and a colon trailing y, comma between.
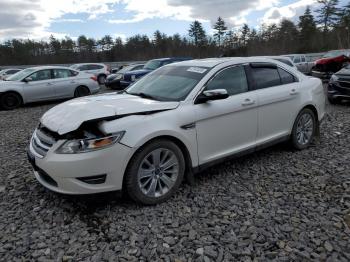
x: 37, y: 19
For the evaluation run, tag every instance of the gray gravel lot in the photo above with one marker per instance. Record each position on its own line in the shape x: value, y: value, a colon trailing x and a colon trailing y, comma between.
x: 277, y: 204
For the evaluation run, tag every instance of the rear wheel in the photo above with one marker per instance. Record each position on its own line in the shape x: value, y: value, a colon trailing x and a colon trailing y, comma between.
x: 9, y: 101
x: 155, y: 172
x: 81, y: 91
x: 304, y: 129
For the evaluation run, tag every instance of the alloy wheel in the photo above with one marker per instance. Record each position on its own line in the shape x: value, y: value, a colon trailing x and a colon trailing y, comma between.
x: 305, y: 129
x: 158, y: 172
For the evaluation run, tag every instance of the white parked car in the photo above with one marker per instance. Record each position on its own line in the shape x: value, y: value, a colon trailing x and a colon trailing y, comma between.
x: 178, y: 119
x: 8, y: 72
x: 101, y: 71
x: 43, y: 84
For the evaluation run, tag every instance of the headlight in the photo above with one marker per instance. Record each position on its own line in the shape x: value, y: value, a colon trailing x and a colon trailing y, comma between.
x: 133, y: 77
x: 87, y: 145
x: 333, y: 79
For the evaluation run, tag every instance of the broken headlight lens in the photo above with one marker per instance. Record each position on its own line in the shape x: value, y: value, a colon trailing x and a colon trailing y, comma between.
x: 90, y: 144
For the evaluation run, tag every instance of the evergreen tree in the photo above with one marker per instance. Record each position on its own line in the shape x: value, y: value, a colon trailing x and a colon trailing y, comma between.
x: 307, y: 31
x: 220, y: 28
x: 197, y: 33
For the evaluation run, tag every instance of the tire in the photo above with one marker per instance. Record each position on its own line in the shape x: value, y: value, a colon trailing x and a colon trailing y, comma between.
x: 81, y: 91
x: 10, y: 101
x: 304, y: 129
x: 101, y: 79
x: 333, y: 100
x: 143, y: 175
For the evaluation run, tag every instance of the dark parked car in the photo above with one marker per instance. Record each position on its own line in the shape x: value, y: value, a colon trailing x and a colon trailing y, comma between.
x: 339, y: 86
x: 330, y: 63
x: 130, y: 77
x: 113, y: 80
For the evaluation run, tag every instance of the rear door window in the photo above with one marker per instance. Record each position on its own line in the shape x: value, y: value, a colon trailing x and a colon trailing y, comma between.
x: 265, y: 77
x: 62, y: 73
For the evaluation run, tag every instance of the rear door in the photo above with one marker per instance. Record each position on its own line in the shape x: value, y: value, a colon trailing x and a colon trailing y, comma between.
x: 278, y: 94
x: 64, y: 82
x: 40, y: 86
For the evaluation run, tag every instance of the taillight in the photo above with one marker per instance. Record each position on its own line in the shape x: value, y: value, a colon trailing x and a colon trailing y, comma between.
x: 94, y: 78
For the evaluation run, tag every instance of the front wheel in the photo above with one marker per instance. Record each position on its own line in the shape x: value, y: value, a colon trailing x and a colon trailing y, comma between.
x: 9, y: 101
x: 304, y: 129
x: 155, y: 172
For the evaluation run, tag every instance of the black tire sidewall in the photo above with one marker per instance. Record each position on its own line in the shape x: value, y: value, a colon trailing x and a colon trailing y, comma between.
x: 3, y: 101
x: 76, y: 92
x: 131, y: 181
x: 294, y: 138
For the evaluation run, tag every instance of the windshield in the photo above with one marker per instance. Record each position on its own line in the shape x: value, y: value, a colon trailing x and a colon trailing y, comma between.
x: 74, y: 66
x: 20, y: 75
x: 170, y: 83
x: 153, y: 64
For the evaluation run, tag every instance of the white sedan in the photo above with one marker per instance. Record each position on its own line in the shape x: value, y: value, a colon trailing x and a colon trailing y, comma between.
x: 177, y: 120
x: 43, y: 84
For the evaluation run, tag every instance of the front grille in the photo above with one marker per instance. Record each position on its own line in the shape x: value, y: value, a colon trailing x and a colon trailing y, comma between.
x: 42, y: 141
x: 344, y: 83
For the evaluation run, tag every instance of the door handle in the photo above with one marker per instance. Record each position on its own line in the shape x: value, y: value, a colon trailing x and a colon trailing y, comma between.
x: 248, y: 102
x: 293, y: 92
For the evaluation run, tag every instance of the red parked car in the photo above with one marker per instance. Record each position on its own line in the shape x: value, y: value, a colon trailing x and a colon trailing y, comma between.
x: 331, y: 63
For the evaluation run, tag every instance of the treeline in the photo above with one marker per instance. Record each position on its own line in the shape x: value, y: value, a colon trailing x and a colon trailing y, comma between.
x: 321, y: 29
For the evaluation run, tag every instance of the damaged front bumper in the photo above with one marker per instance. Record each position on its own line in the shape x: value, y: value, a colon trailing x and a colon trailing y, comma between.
x: 85, y: 173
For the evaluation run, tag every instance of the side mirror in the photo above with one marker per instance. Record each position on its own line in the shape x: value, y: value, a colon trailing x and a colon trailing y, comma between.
x: 211, y: 95
x: 28, y: 79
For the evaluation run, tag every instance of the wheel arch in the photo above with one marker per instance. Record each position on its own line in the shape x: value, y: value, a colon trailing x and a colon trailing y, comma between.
x: 13, y: 91
x: 314, y: 110
x: 176, y: 141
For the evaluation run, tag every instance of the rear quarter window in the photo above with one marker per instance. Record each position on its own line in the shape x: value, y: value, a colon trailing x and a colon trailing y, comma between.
x: 286, y: 77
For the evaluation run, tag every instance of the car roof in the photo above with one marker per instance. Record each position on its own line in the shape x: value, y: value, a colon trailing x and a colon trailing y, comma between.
x: 171, y: 58
x: 49, y: 67
x: 212, y: 62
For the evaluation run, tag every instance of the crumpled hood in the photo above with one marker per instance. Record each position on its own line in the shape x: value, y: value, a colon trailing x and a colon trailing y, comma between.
x: 68, y: 116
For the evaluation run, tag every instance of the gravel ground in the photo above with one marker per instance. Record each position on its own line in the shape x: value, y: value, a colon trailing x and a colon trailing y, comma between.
x: 277, y: 204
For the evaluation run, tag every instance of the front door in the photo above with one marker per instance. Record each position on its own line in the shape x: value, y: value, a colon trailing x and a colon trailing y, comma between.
x: 227, y: 126
x: 39, y: 87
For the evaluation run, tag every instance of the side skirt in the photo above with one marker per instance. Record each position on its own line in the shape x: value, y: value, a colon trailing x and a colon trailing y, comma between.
x: 202, y: 167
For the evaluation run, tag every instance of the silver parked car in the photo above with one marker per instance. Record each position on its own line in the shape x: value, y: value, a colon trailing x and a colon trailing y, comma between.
x: 8, y: 72
x: 45, y: 83
x: 101, y: 71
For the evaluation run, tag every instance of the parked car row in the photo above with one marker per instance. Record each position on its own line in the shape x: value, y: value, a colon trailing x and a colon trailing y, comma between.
x: 44, y: 84
x: 5, y: 73
x: 171, y: 123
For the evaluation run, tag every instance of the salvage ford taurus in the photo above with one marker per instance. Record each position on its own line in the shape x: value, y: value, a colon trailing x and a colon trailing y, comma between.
x: 175, y: 121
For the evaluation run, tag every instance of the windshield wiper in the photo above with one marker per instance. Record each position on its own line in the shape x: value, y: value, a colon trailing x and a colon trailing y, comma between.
x: 144, y: 95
